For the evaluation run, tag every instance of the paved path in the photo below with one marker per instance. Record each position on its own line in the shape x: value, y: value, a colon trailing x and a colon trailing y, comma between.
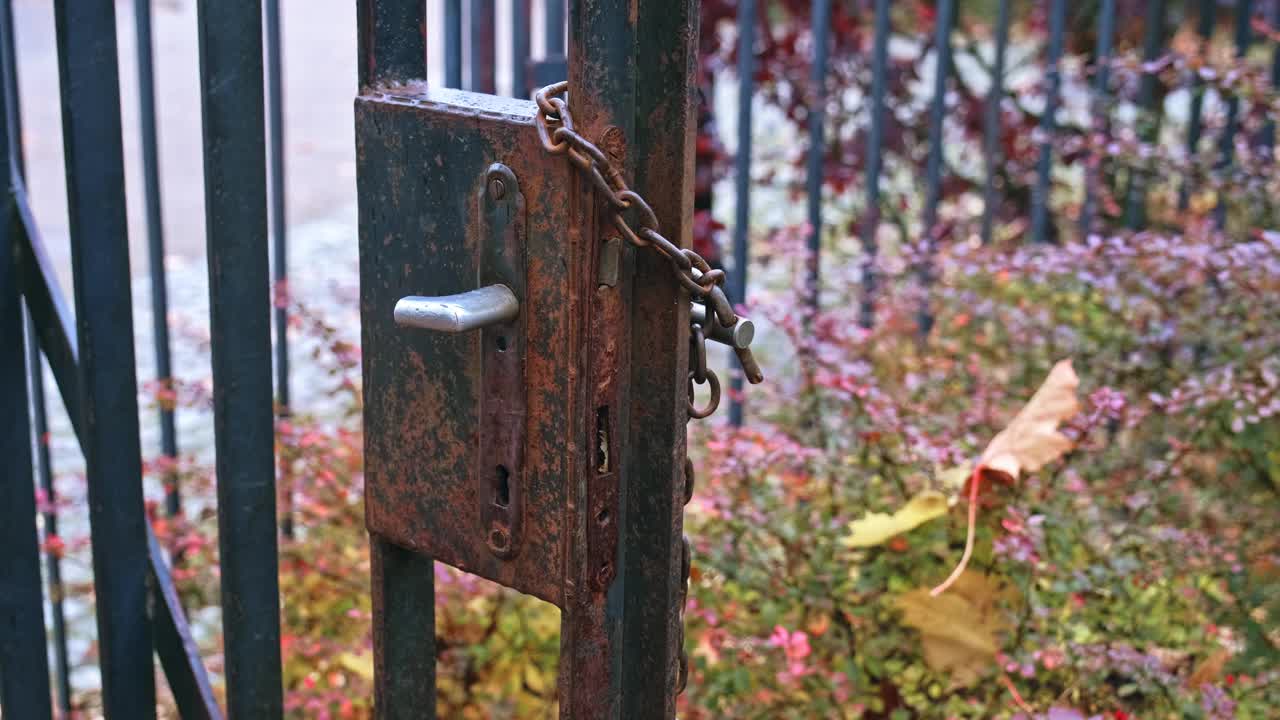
x: 319, y: 53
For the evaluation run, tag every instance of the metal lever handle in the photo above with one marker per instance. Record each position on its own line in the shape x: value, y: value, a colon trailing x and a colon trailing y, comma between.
x: 472, y: 310
x: 738, y: 337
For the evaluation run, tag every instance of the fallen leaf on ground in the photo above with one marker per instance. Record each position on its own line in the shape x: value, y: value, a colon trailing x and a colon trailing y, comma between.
x: 958, y: 632
x: 876, y: 528
x: 1210, y: 669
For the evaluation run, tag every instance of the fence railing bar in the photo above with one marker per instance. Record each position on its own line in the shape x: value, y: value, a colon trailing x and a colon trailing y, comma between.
x: 1227, y: 141
x: 483, y: 17
x: 1048, y: 122
x: 553, y: 15
x: 520, y: 49
x: 1268, y: 135
x: 277, y: 194
x: 52, y: 560
x: 1152, y: 45
x: 24, y: 666
x: 231, y: 89
x: 821, y: 25
x: 155, y: 242
x: 35, y: 368
x: 392, y: 41
x: 453, y: 43
x: 875, y: 159
x: 742, y: 182
x: 1098, y: 101
x: 279, y: 233
x: 56, y: 334
x: 1195, y: 119
x: 52, y: 319
x: 991, y: 122
x: 92, y: 136
x: 944, y: 20
x: 175, y: 647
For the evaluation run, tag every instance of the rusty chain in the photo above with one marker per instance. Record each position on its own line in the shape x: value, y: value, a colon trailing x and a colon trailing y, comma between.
x: 558, y: 136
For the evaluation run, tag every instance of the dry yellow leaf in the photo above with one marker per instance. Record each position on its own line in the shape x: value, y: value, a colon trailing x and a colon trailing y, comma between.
x: 959, y: 631
x: 1032, y: 439
x: 876, y: 528
x: 955, y: 478
x: 359, y: 663
x: 1209, y: 669
x: 1029, y: 442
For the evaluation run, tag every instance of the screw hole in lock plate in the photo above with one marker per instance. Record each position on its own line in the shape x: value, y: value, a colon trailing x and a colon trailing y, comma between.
x: 501, y: 342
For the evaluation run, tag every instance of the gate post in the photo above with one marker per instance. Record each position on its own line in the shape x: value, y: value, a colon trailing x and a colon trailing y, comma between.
x: 632, y: 84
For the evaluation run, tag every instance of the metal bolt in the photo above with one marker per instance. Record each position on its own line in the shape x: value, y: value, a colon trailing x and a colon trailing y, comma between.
x: 497, y: 189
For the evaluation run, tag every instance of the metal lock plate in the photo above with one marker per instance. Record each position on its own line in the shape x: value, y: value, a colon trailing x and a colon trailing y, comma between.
x: 468, y: 457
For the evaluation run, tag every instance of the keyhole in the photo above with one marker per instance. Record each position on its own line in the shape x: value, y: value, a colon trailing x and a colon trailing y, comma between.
x: 602, y: 440
x: 502, y: 487
x: 502, y: 343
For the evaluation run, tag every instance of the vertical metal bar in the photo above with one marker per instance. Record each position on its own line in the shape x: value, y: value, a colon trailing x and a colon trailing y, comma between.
x: 1195, y: 120
x: 944, y: 21
x: 937, y: 110
x: 482, y: 45
x: 88, y: 69
x: 1152, y: 44
x: 821, y: 25
x: 553, y: 16
x: 742, y: 181
x: 155, y: 242
x: 279, y: 226
x: 231, y: 85
x: 12, y: 150
x: 1098, y: 101
x: 663, y: 72
x: 605, y: 655
x: 520, y: 49
x: 1048, y: 123
x: 871, y: 211
x: 1268, y: 135
x: 991, y: 123
x: 453, y: 43
x: 279, y: 229
x: 392, y: 43
x: 403, y: 633
x: 1227, y: 142
x: 404, y: 583
x: 24, y: 668
x: 52, y: 561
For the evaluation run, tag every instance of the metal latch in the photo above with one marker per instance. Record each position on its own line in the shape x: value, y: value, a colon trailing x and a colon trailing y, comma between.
x: 494, y: 309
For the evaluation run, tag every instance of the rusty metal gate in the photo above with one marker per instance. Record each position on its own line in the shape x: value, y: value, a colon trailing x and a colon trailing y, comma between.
x: 530, y: 362
x: 534, y: 338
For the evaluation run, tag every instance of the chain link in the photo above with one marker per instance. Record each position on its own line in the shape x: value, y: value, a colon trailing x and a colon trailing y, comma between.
x: 635, y: 219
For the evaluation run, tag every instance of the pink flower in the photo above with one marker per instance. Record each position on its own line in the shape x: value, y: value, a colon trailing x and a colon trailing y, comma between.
x: 796, y: 647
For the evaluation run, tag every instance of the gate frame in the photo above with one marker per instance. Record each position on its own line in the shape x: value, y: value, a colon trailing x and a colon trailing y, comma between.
x: 633, y: 90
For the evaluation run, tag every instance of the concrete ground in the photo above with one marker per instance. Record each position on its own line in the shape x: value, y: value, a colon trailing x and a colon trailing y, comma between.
x: 319, y: 82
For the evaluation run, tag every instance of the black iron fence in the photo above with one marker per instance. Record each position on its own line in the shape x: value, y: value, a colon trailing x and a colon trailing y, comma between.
x: 90, y: 352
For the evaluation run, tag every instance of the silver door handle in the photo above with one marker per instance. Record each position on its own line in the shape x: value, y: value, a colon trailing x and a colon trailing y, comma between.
x: 472, y: 310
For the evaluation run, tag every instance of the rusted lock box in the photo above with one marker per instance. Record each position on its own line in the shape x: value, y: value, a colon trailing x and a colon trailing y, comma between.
x: 527, y: 345
x: 478, y: 377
